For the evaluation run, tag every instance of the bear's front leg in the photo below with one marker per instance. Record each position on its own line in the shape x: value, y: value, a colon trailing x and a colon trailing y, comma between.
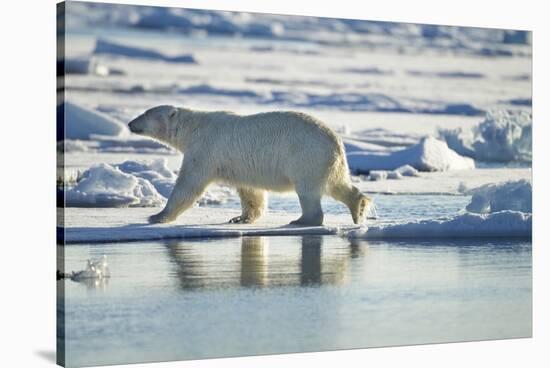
x: 159, y: 218
x: 188, y: 188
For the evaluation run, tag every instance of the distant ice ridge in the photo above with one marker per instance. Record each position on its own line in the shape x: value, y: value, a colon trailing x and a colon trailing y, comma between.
x: 112, y: 48
x: 345, y: 101
x: 430, y: 154
x: 481, y: 41
x: 467, y: 225
x: 511, y: 195
x: 131, y: 184
x: 85, y: 65
x: 503, y: 136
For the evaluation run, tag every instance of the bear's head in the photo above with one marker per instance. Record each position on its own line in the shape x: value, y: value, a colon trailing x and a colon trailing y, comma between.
x: 156, y: 123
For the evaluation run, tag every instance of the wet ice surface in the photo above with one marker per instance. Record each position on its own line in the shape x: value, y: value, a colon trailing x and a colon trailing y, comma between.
x: 192, y: 299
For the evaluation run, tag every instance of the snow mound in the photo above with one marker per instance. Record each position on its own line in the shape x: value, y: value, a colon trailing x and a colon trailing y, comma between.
x: 429, y: 154
x: 467, y: 225
x: 132, y: 184
x: 83, y: 123
x: 502, y: 137
x: 511, y: 195
x: 104, y: 185
x: 111, y: 48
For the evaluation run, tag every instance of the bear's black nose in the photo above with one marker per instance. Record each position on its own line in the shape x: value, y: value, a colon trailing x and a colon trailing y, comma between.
x: 133, y: 128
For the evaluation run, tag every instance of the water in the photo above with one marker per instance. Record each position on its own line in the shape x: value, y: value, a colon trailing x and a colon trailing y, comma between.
x: 390, y: 208
x: 192, y: 299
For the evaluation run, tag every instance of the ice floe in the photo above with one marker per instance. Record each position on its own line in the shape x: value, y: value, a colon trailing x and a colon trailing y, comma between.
x: 468, y: 225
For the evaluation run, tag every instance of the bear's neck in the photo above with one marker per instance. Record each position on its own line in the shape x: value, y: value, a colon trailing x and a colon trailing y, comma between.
x: 185, y: 130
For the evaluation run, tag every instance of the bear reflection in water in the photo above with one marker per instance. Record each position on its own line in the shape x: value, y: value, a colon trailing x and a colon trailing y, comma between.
x: 206, y: 265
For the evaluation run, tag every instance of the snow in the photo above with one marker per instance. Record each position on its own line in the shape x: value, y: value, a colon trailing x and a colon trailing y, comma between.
x: 505, y: 224
x: 429, y: 155
x: 111, y: 48
x: 502, y: 136
x: 510, y: 195
x: 84, y: 123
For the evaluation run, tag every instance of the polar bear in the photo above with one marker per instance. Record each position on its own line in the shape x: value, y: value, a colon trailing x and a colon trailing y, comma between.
x: 273, y: 151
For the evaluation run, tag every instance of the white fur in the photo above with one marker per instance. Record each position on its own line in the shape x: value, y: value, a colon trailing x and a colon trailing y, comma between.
x: 273, y: 151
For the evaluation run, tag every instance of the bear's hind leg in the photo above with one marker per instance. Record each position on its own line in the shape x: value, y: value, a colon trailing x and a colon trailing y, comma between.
x: 310, y: 201
x: 253, y: 204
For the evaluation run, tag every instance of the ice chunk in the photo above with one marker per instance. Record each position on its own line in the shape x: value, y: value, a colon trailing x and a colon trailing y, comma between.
x: 407, y: 170
x: 376, y: 175
x: 429, y: 155
x: 502, y: 137
x: 95, y: 269
x: 511, y: 195
x: 84, y: 123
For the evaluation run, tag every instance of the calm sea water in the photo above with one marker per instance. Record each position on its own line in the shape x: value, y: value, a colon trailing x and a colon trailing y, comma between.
x: 192, y: 299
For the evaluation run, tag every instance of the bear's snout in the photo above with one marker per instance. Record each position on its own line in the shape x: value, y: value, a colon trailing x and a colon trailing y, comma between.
x: 135, y: 126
